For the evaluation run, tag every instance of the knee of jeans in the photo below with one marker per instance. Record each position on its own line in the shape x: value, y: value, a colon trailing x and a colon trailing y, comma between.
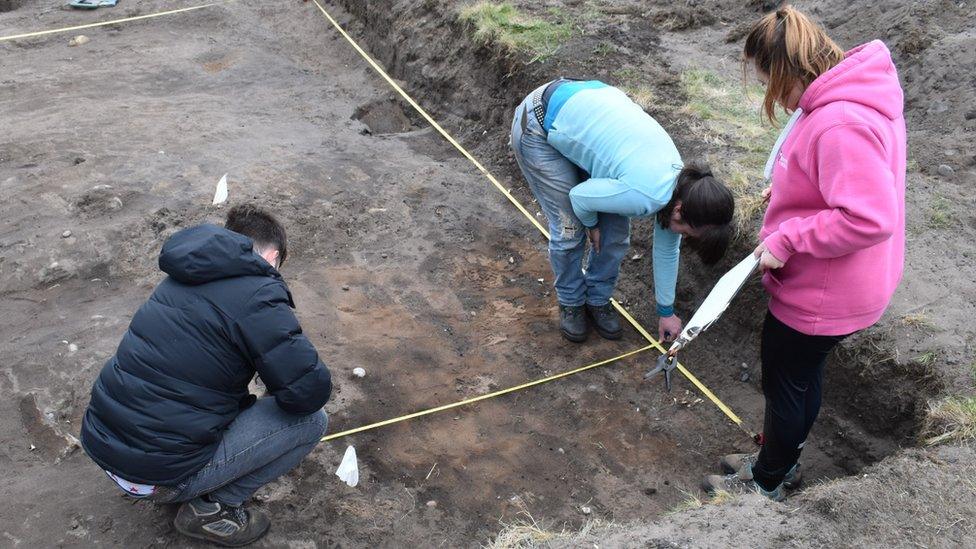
x: 566, y: 234
x: 320, y: 421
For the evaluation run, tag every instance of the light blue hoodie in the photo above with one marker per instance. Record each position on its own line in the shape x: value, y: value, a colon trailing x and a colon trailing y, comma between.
x: 631, y: 160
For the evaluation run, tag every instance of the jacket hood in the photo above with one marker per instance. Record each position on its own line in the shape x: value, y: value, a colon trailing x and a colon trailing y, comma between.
x: 867, y: 76
x: 207, y: 252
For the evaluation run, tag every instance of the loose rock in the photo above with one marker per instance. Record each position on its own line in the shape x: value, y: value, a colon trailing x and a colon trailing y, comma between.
x: 431, y: 504
x: 586, y: 509
x: 79, y: 40
x: 744, y: 377
x: 359, y: 372
x: 946, y: 170
x: 66, y: 234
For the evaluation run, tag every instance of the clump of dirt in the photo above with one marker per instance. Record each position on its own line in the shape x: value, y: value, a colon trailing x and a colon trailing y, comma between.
x: 386, y: 116
x: 10, y: 5
x: 684, y: 18
x: 97, y: 201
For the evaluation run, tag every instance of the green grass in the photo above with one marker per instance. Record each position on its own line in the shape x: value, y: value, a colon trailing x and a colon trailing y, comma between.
x: 725, y: 114
x: 502, y: 23
x: 940, y: 214
x: 604, y: 49
x: 926, y: 359
x: 952, y: 419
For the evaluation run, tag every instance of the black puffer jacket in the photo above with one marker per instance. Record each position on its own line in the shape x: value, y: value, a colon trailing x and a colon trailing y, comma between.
x: 179, y: 377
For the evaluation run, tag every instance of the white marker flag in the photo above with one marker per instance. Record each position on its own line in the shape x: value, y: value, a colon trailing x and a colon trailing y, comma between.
x: 348, y: 470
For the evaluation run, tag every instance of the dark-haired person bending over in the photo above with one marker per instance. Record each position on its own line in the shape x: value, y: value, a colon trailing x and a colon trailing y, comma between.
x: 593, y: 159
x: 170, y: 417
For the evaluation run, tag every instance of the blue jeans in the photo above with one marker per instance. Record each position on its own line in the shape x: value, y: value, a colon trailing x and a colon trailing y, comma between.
x: 551, y: 176
x: 260, y: 445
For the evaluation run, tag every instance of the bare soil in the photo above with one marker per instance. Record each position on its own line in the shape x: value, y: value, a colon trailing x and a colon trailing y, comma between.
x: 406, y: 262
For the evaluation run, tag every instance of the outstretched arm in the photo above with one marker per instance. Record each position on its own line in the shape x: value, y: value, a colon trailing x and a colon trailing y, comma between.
x: 667, y: 250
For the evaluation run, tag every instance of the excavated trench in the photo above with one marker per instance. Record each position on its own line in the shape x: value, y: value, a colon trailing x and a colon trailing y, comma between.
x: 409, y: 263
x: 868, y: 412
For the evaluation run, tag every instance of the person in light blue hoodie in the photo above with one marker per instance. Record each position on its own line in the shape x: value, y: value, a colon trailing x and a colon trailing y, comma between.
x: 593, y: 159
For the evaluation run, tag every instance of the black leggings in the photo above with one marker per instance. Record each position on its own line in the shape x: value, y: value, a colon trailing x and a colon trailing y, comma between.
x: 792, y: 382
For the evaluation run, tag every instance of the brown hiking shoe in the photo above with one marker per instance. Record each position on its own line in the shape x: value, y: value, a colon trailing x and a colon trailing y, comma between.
x: 736, y: 463
x: 221, y: 524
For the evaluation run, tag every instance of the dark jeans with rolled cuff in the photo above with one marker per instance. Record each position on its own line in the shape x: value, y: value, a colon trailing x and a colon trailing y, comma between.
x: 792, y: 382
x: 263, y: 443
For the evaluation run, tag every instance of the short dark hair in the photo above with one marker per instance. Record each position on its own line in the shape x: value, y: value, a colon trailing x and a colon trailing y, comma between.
x: 260, y: 226
x: 706, y: 204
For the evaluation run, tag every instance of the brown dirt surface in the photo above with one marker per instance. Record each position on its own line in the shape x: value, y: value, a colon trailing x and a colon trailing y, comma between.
x: 406, y: 262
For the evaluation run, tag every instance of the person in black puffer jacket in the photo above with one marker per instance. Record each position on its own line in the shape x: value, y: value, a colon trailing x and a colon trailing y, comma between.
x: 171, y: 418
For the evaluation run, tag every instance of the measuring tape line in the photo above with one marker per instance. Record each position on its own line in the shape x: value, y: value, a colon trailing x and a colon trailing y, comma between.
x: 485, y: 396
x: 112, y: 22
x: 653, y: 342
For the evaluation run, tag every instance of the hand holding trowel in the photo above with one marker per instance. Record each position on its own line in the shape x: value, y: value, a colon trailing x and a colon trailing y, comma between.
x: 709, y: 311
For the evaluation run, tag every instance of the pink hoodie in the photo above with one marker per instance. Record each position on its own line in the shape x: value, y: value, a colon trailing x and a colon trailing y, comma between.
x: 837, y: 211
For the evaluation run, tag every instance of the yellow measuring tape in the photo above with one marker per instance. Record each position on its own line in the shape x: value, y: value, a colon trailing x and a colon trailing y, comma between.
x: 112, y: 22
x: 485, y: 396
x: 653, y: 342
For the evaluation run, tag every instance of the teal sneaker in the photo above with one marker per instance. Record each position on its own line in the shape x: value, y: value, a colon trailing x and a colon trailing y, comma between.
x: 736, y: 463
x: 736, y: 484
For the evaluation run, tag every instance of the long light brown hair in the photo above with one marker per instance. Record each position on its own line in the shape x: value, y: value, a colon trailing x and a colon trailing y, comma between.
x: 792, y: 49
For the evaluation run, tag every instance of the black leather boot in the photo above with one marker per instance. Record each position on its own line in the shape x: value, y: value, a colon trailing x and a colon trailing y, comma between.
x: 572, y: 323
x: 605, y: 320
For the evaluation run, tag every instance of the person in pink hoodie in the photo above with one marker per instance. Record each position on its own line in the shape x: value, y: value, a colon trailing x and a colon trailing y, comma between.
x: 832, y: 244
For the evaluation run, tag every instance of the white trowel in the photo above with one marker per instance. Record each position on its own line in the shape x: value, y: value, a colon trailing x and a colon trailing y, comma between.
x: 710, y: 310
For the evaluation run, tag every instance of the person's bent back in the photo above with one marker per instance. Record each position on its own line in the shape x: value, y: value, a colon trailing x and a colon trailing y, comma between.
x: 177, y: 388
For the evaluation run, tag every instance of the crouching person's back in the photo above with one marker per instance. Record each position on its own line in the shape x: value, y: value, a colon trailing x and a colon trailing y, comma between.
x: 171, y: 419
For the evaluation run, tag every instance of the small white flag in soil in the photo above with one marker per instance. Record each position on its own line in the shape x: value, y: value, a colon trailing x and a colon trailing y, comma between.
x: 221, y: 195
x: 348, y: 470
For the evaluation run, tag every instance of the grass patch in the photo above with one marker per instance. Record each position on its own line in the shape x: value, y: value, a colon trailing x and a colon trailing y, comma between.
x: 940, y: 214
x: 694, y: 502
x: 724, y: 113
x: 641, y: 94
x: 525, y: 532
x: 503, y: 24
x: 952, y: 419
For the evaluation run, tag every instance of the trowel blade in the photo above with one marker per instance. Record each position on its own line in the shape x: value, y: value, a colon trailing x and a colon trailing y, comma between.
x: 719, y: 298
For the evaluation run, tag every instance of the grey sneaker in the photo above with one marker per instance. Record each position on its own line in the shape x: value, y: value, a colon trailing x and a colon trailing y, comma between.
x: 605, y: 320
x: 736, y: 463
x: 734, y: 484
x: 221, y: 524
x: 572, y: 323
